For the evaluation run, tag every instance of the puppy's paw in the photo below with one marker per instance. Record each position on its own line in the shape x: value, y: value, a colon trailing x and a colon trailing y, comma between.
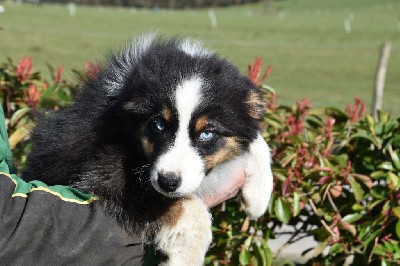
x: 186, y: 238
x: 257, y: 190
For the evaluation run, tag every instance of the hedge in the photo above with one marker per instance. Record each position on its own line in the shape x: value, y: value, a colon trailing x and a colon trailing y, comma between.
x: 336, y: 172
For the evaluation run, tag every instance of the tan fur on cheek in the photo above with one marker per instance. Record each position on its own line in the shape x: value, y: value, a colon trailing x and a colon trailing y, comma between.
x: 231, y: 149
x: 256, y: 105
x: 148, y: 147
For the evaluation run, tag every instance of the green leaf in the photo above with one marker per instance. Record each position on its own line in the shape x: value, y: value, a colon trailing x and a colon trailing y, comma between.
x: 16, y: 117
x: 262, y: 259
x: 336, y: 113
x: 379, y: 192
x: 351, y: 218
x: 398, y: 229
x: 386, y: 208
x: 267, y: 251
x: 389, y: 246
x: 383, y: 116
x: 386, y: 166
x: 320, y: 248
x: 264, y: 254
x: 275, y: 123
x: 348, y: 227
x: 336, y: 248
x: 364, y: 135
x: 341, y: 159
x: 396, y: 211
x: 287, y: 159
x: 396, y: 140
x: 357, y: 207
x: 244, y: 256
x: 268, y: 88
x: 357, y: 189
x: 371, y: 237
x: 282, y: 211
x: 320, y: 234
x: 315, y: 121
x: 370, y: 120
x: 296, y: 204
x: 248, y: 241
x: 393, y: 181
x: 364, y: 231
x: 364, y: 179
x: 395, y: 158
x: 379, y: 174
x: 379, y: 250
x: 378, y: 129
x: 253, y: 261
x: 389, y: 126
x: 269, y: 255
x: 271, y: 204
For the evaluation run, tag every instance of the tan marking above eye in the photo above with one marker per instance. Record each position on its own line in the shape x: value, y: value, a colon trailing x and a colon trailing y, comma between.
x: 201, y: 124
x: 129, y: 105
x: 231, y: 149
x: 166, y: 113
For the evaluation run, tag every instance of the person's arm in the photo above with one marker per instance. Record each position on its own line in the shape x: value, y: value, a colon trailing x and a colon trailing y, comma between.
x: 44, y: 225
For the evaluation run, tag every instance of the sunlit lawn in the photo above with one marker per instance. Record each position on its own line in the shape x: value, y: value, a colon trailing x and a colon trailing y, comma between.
x: 305, y: 41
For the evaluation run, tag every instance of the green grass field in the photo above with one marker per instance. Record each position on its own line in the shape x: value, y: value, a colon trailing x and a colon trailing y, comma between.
x: 304, y: 41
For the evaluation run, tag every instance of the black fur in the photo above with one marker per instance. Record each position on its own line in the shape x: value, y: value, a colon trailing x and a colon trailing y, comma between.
x: 95, y: 144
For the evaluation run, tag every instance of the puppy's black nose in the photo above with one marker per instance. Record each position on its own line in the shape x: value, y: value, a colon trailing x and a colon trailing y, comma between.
x: 169, y: 182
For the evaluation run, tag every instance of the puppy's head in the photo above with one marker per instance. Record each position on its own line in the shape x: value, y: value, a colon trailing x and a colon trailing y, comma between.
x: 189, y: 109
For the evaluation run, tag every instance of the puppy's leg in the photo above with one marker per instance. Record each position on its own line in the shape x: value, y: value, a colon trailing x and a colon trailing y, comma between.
x: 257, y: 189
x: 186, y: 235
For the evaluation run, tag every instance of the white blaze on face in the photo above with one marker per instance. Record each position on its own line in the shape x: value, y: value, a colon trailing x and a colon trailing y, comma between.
x: 182, y: 159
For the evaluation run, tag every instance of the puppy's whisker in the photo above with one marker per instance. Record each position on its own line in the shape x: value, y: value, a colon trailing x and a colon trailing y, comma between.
x: 141, y: 169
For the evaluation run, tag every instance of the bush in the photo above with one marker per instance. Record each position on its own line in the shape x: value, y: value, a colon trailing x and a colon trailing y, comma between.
x: 22, y: 92
x: 337, y: 178
x: 337, y: 173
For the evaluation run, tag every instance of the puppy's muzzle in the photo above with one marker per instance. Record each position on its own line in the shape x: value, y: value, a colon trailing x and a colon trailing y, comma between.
x: 169, y: 182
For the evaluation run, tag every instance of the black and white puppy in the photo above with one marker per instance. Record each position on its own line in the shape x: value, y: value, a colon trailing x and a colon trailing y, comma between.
x: 164, y: 122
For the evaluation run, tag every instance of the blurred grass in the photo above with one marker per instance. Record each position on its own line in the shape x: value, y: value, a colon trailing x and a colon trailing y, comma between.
x: 304, y: 40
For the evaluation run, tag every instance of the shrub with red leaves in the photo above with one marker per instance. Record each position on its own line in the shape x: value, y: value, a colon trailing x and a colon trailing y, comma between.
x: 24, y: 69
x: 23, y: 91
x: 255, y: 71
x: 336, y: 178
x: 92, y: 69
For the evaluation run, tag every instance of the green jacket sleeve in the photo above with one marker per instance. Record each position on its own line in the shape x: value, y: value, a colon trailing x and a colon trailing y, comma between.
x: 57, y: 225
x: 6, y: 161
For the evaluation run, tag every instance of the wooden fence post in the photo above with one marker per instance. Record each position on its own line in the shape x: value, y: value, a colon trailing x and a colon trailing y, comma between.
x: 380, y: 78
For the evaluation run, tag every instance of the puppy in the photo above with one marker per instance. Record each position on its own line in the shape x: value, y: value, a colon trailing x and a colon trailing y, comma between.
x: 164, y: 122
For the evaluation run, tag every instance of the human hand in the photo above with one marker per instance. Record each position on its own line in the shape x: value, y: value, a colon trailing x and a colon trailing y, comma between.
x: 227, y: 190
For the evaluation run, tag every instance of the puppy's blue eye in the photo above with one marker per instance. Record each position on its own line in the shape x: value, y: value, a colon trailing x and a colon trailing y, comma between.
x: 159, y: 125
x: 206, y: 136
x: 156, y: 125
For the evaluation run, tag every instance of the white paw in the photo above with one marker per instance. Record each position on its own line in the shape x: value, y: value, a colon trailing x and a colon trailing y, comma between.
x: 257, y: 190
x: 186, y: 241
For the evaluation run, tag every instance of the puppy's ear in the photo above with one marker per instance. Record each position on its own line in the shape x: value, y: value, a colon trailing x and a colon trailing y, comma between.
x: 256, y: 104
x: 257, y: 190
